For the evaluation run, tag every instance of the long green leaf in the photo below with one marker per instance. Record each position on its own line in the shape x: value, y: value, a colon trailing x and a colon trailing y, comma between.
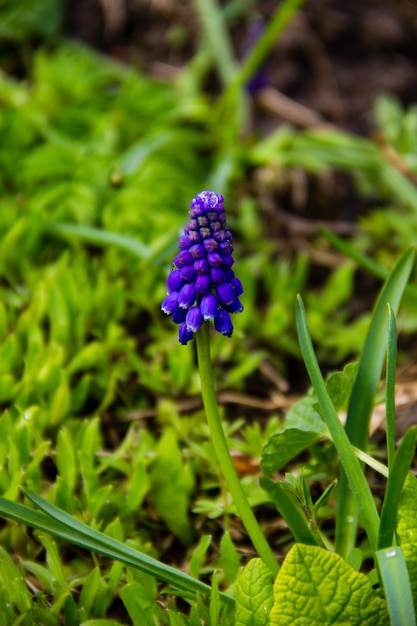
x: 260, y: 51
x: 63, y: 526
x: 361, y: 259
x: 363, y: 393
x: 217, y: 36
x: 350, y: 463
x: 365, y: 262
x: 396, y: 479
x: 390, y: 386
x: 100, y: 237
x: 394, y: 574
x: 373, y: 353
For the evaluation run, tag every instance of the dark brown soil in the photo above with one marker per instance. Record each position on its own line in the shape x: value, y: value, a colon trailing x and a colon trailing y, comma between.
x: 335, y: 57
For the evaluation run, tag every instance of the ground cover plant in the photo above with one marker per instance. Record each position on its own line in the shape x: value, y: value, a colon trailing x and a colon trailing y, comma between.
x: 120, y: 502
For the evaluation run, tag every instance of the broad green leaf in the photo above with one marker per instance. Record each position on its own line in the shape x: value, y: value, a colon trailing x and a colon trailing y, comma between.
x: 339, y: 385
x: 170, y: 486
x: 177, y: 619
x: 53, y: 559
x: 199, y: 554
x: 284, y: 446
x: 139, y: 604
x: 254, y: 595
x: 407, y: 530
x: 304, y: 415
x: 66, y: 458
x: 229, y: 558
x: 316, y: 587
x: 12, y: 580
x: 90, y: 590
x: 214, y: 603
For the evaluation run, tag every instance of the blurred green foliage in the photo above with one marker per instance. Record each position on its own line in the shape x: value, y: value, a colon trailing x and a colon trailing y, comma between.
x: 98, y: 163
x: 30, y: 18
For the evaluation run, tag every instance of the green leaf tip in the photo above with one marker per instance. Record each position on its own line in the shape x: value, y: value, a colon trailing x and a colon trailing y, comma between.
x: 394, y: 576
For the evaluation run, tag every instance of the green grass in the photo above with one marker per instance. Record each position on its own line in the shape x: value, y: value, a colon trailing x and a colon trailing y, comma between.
x: 100, y: 406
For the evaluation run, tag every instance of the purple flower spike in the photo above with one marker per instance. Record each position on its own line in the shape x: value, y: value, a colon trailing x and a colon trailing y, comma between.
x: 202, y: 286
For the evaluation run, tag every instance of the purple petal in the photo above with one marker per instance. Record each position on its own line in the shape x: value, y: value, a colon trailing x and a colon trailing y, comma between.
x: 188, y: 273
x: 194, y: 236
x: 225, y: 293
x: 208, y: 306
x: 194, y: 319
x: 203, y: 220
x: 223, y: 323
x: 205, y: 233
x: 210, y: 199
x: 187, y: 296
x: 183, y: 258
x: 202, y: 284
x: 219, y: 235
x: 170, y: 304
x: 210, y: 244
x: 197, y: 251
x: 178, y: 316
x: 217, y: 275
x: 184, y: 242
x: 174, y: 281
x: 215, y: 259
x: 225, y: 247
x: 237, y: 286
x: 201, y: 266
x: 184, y: 335
x: 235, y: 306
x: 228, y: 260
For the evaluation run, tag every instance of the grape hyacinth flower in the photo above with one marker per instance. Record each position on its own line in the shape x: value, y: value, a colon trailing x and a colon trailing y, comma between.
x: 202, y: 286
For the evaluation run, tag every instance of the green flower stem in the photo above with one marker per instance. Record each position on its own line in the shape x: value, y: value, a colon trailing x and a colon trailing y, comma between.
x: 223, y: 454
